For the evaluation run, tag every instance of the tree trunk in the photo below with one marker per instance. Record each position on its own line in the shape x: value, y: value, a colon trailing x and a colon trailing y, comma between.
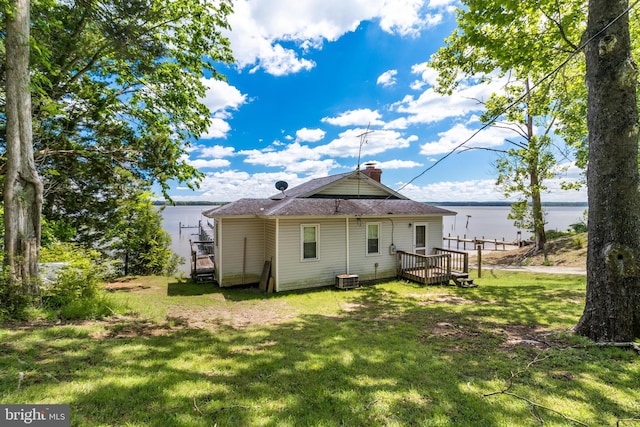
x: 534, y: 181
x: 537, y: 211
x: 612, y: 309
x: 22, y: 186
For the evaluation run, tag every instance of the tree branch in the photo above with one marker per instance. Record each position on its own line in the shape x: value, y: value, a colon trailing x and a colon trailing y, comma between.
x: 563, y: 35
x: 483, y: 148
x: 531, y: 403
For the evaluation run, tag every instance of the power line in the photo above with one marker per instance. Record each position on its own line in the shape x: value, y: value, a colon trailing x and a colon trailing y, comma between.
x: 524, y: 95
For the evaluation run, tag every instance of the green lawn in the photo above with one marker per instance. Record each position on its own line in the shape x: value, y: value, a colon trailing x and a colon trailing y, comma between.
x: 392, y: 354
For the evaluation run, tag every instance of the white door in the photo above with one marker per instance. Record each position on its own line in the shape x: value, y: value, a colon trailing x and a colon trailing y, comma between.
x: 420, y: 238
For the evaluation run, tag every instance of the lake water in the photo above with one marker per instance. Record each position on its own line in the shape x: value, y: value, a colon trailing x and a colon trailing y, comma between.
x: 175, y: 216
x: 491, y: 221
x: 473, y: 221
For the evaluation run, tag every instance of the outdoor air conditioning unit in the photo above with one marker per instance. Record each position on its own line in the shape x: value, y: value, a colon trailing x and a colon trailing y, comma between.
x: 347, y: 281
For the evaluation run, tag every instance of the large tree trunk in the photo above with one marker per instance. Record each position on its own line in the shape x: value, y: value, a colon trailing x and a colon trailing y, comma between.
x: 612, y: 310
x: 22, y: 186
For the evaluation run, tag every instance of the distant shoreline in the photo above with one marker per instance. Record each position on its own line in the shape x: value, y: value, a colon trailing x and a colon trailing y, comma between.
x: 207, y: 203
x: 570, y: 204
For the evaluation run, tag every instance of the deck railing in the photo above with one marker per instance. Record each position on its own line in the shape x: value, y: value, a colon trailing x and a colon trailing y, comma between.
x: 459, y: 259
x: 426, y: 269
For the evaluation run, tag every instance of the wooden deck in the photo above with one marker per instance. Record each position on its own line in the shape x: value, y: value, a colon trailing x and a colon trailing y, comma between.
x: 202, y: 264
x: 443, y: 267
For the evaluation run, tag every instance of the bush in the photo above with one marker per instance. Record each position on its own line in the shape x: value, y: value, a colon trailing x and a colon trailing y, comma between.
x: 579, y: 241
x: 75, y: 290
x: 14, y: 304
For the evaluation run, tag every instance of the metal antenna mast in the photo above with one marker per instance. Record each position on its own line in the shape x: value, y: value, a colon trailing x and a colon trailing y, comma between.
x: 363, y: 140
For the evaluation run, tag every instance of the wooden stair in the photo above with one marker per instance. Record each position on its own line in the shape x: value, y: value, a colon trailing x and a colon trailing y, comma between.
x: 462, y: 280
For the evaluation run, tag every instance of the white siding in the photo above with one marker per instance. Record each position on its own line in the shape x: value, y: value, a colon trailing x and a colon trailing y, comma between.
x: 354, y: 186
x: 404, y: 233
x: 296, y: 273
x: 332, y: 243
x: 396, y: 230
x: 365, y: 265
x: 232, y: 251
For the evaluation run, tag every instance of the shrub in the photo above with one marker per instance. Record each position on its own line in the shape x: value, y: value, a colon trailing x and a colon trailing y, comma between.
x: 14, y: 304
x: 579, y: 241
x: 554, y: 234
x: 74, y: 292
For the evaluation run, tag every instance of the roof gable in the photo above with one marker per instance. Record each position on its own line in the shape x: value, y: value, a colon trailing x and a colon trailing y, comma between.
x: 350, y: 185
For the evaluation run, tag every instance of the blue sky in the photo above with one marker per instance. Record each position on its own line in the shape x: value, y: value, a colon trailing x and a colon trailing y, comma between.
x: 311, y: 76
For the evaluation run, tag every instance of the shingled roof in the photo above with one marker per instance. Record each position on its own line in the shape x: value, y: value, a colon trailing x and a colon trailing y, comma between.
x: 299, y: 201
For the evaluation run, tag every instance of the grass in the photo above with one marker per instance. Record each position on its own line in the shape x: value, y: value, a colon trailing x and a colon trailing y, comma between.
x: 394, y: 354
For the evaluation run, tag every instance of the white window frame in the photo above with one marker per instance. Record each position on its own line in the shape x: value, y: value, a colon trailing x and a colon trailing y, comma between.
x: 424, y: 248
x: 317, y: 232
x: 366, y: 240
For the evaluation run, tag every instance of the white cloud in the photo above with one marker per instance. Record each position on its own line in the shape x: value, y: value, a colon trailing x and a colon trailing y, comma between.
x: 211, y: 157
x: 360, y: 117
x: 218, y: 128
x: 388, y: 78
x: 212, y: 163
x: 348, y: 143
x: 217, y: 151
x: 406, y: 17
x: 318, y: 160
x: 442, y: 3
x: 481, y: 190
x: 232, y: 185
x: 487, y: 138
x: 220, y: 97
x: 261, y: 27
x: 428, y: 76
x: 396, y: 164
x: 312, y: 168
x: 431, y: 107
x: 310, y: 135
x: 292, y: 153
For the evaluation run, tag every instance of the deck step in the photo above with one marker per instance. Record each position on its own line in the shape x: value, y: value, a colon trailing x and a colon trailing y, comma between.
x: 465, y: 282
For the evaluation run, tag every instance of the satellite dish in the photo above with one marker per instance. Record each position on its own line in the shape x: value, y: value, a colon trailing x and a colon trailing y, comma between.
x: 281, y: 185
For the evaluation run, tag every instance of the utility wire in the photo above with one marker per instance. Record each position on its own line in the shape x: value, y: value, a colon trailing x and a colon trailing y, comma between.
x: 519, y: 99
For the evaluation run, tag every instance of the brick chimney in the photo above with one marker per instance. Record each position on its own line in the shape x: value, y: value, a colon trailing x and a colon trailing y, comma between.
x: 372, y: 172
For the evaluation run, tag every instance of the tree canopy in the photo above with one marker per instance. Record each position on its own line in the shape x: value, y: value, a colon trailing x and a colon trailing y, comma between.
x: 117, y: 97
x: 520, y: 43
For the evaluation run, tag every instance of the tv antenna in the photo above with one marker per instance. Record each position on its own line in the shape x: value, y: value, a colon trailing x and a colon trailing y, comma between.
x: 363, y: 140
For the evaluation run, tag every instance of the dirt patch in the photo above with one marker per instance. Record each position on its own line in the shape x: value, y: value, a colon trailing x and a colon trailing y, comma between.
x: 124, y: 288
x: 447, y: 329
x: 567, y: 251
x: 238, y: 315
x: 126, y: 284
x: 521, y: 335
x: 446, y: 299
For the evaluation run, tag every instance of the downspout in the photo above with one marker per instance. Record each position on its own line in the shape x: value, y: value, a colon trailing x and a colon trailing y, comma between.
x: 277, y: 278
x: 220, y: 251
x: 347, y: 242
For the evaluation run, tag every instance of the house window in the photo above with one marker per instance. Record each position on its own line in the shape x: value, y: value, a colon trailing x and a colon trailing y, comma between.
x: 309, y: 242
x: 373, y: 238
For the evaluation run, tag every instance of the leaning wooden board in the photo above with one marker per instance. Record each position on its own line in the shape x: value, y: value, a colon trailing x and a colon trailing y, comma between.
x: 265, y: 276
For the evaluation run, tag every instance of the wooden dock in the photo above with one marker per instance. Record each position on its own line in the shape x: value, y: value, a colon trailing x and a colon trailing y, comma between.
x: 474, y: 242
x: 202, y: 261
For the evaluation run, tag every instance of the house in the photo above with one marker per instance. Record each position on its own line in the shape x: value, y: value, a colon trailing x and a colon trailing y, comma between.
x: 346, y: 224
